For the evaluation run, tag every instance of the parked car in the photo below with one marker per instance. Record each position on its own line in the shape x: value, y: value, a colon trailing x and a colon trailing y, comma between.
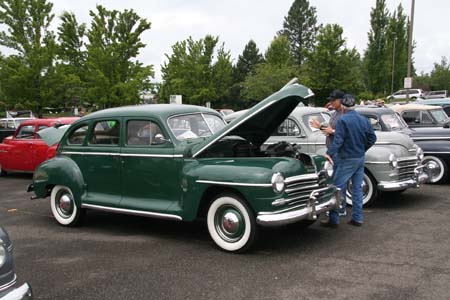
x: 436, y: 94
x: 183, y: 162
x: 9, y: 289
x: 444, y: 103
x: 392, y: 164
x: 9, y: 125
x: 24, y: 151
x: 419, y: 115
x: 401, y: 94
x: 434, y: 141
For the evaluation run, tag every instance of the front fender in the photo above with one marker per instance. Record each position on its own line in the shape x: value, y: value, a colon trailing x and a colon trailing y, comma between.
x: 60, y: 170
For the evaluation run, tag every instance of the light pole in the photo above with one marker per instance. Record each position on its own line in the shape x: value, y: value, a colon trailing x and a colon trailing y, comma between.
x: 394, y: 37
x: 408, y: 71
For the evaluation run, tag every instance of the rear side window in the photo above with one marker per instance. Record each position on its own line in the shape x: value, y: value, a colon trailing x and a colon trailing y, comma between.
x: 77, y: 137
x: 144, y: 133
x: 26, y: 132
x: 287, y: 128
x: 105, y: 133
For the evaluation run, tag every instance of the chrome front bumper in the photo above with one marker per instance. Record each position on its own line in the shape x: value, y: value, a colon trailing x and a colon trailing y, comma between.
x: 309, y: 212
x: 422, y: 176
x: 21, y: 293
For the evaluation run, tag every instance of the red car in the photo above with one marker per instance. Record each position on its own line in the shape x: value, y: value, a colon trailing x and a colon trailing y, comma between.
x: 25, y: 150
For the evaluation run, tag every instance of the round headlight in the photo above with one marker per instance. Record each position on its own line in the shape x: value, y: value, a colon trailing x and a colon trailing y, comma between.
x: 419, y: 153
x: 2, y: 254
x: 277, y: 182
x: 393, y: 161
x: 328, y: 168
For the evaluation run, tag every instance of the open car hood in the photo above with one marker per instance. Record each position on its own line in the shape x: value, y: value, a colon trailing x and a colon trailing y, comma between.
x: 52, y: 135
x: 260, y: 121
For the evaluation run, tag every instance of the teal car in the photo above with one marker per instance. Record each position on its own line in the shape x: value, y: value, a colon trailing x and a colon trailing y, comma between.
x: 182, y: 163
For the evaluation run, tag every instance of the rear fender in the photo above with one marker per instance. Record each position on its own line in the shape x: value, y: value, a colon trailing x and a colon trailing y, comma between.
x: 59, y: 171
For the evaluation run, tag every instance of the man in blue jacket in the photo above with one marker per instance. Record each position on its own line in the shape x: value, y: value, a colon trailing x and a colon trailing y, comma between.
x: 352, y: 138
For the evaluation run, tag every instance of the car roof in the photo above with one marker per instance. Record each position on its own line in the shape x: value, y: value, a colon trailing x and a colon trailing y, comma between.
x: 50, y: 121
x: 149, y: 110
x: 413, y: 106
x: 434, y: 101
x: 373, y: 109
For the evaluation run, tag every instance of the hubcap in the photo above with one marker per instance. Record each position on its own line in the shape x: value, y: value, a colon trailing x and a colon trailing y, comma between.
x: 229, y: 223
x: 64, y: 204
x: 435, y: 171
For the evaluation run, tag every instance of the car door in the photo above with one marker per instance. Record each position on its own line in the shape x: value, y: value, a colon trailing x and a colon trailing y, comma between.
x: 20, y: 152
x: 151, y: 172
x: 100, y: 162
x: 38, y: 148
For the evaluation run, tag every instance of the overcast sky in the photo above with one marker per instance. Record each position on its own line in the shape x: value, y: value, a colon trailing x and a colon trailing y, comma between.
x: 238, y: 21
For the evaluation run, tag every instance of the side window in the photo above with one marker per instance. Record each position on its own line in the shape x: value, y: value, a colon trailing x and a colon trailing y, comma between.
x: 144, y: 132
x: 375, y: 123
x: 26, y: 132
x: 288, y: 128
x: 447, y: 110
x: 105, y: 133
x: 426, y: 118
x: 42, y: 127
x: 411, y: 117
x: 78, y: 135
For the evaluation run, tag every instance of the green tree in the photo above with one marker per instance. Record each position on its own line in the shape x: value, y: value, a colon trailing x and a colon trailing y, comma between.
x: 300, y: 27
x: 375, y: 58
x: 192, y: 72
x: 114, y: 76
x: 440, y: 75
x: 270, y: 75
x: 332, y: 65
x: 27, y: 32
x: 397, y: 57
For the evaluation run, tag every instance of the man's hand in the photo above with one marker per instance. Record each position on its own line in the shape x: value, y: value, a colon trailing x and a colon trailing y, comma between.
x: 314, y: 123
x: 327, y: 130
x: 329, y: 159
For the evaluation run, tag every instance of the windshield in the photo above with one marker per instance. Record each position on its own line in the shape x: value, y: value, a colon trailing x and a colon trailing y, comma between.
x: 439, y: 115
x: 392, y: 122
x: 192, y: 126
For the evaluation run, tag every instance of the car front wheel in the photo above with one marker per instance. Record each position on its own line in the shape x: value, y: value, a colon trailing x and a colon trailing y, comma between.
x: 439, y: 173
x: 63, y: 206
x: 231, y: 223
x: 369, y: 190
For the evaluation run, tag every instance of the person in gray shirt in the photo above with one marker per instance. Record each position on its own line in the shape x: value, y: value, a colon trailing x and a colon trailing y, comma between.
x: 335, y: 100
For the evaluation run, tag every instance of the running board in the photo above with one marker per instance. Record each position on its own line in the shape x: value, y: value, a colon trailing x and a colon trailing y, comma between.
x: 133, y: 212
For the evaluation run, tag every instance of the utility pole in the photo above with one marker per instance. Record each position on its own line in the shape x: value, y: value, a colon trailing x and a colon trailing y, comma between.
x: 394, y: 37
x: 410, y: 39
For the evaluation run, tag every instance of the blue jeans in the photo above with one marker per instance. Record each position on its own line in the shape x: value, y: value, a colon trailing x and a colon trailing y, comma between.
x: 352, y: 168
x: 336, y: 161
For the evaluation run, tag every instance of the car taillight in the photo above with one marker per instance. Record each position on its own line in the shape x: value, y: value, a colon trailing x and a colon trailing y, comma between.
x: 51, y: 152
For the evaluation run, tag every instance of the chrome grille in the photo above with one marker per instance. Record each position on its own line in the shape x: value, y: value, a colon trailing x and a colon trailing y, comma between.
x: 299, y: 188
x: 406, y: 167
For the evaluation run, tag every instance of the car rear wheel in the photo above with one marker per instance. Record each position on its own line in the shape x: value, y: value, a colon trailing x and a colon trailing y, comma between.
x: 439, y: 173
x: 2, y: 172
x: 63, y: 206
x: 369, y: 189
x: 231, y: 223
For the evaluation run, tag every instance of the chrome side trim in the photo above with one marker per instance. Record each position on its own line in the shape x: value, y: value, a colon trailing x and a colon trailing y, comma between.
x: 151, y: 155
x: 439, y: 152
x: 377, y: 162
x: 9, y: 284
x: 132, y: 212
x: 234, y: 183
x: 430, y: 138
x: 123, y: 154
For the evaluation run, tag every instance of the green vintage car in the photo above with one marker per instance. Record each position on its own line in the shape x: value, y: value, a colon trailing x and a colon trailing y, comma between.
x: 183, y: 162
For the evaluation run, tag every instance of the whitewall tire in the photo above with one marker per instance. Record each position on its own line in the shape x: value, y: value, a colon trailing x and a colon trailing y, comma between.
x: 63, y: 206
x: 231, y: 223
x: 439, y: 173
x: 369, y: 189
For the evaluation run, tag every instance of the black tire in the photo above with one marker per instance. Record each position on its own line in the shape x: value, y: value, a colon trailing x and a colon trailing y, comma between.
x: 2, y: 172
x: 440, y: 173
x: 231, y: 223
x: 369, y: 190
x: 64, y: 207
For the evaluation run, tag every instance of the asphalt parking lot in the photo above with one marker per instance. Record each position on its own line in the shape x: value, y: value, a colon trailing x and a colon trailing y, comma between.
x: 401, y: 252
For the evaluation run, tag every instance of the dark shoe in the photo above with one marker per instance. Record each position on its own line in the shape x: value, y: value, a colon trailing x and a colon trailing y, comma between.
x: 328, y: 224
x: 354, y: 223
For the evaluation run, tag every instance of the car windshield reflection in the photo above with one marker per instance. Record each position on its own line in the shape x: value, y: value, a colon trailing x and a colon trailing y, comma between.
x: 191, y: 126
